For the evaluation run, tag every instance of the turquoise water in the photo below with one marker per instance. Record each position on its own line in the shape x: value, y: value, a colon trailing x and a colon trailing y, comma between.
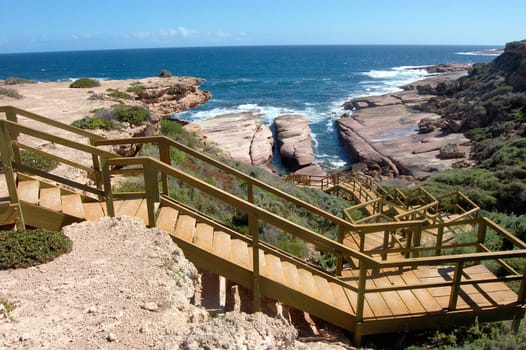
x: 269, y: 80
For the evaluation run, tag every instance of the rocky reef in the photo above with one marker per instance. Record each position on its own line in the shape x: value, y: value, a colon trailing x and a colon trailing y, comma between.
x: 294, y: 141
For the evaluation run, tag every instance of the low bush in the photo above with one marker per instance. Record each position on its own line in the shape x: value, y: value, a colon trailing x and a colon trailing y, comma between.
x: 19, y: 249
x: 134, y: 115
x: 94, y: 123
x: 10, y: 92
x: 136, y: 89
x: 84, y: 83
x: 38, y: 161
x: 17, y: 80
x: 115, y: 93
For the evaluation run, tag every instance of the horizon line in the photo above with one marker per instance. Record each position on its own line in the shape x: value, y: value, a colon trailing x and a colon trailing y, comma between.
x: 497, y: 47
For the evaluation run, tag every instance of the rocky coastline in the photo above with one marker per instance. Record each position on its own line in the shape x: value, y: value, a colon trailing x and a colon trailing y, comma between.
x: 389, y: 136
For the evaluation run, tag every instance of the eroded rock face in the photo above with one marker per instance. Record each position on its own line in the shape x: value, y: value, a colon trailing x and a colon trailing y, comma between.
x: 168, y: 95
x: 242, y: 136
x: 294, y: 141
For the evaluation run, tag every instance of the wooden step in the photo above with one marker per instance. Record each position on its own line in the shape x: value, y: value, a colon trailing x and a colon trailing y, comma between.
x: 72, y: 205
x: 185, y: 228
x: 323, y: 288
x: 204, y: 236
x: 4, y: 192
x: 28, y: 191
x: 342, y: 297
x: 291, y: 274
x: 128, y: 207
x: 308, y: 286
x: 167, y: 219
x: 262, y: 261
x: 222, y: 246
x: 273, y: 269
x: 93, y: 210
x: 239, y: 251
x: 50, y: 198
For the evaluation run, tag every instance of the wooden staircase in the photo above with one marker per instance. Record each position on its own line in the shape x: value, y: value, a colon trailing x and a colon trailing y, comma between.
x: 380, y: 294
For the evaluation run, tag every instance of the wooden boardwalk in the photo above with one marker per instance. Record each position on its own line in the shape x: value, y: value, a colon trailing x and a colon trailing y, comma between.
x: 395, y: 283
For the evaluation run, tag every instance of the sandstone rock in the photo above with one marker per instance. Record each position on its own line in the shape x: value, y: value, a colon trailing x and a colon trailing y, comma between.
x: 448, y: 68
x: 242, y: 136
x: 450, y: 151
x: 168, y: 95
x: 165, y: 74
x: 294, y: 140
x: 372, y: 101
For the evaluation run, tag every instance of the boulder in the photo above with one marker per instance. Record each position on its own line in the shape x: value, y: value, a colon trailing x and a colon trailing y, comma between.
x: 294, y: 141
x: 242, y: 136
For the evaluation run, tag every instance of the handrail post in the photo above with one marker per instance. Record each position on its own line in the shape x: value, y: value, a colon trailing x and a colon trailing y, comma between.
x: 339, y: 259
x: 96, y: 167
x: 361, y: 292
x: 152, y: 191
x: 250, y: 190
x: 12, y: 116
x: 7, y: 156
x: 254, y: 232
x: 108, y: 193
x: 522, y: 290
x: 455, y: 288
x: 165, y: 157
x: 440, y: 238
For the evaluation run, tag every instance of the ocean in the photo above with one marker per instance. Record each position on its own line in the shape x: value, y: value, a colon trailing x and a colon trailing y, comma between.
x: 269, y: 81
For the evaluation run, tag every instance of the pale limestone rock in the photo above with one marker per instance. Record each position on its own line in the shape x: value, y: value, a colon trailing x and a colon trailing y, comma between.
x: 295, y: 141
x: 242, y: 136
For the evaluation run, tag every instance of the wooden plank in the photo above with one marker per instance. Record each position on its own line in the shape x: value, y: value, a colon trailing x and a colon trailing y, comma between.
x: 262, y: 261
x: 324, y: 289
x: 239, y: 251
x: 410, y: 300
x: 341, y: 298
x: 142, y: 212
x: 392, y: 299
x: 273, y: 269
x: 4, y: 192
x: 308, y: 286
x: 167, y: 218
x: 128, y: 208
x: 50, y: 198
x: 93, y: 210
x: 222, y: 245
x: 291, y: 274
x: 425, y: 298
x: 185, y: 228
x: 72, y: 205
x: 28, y: 191
x: 378, y: 305
x: 204, y: 236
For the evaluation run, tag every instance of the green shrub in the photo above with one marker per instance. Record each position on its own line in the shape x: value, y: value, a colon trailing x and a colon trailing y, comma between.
x: 136, y: 89
x: 115, y: 93
x: 17, y: 80
x: 134, y: 115
x: 38, y: 161
x: 84, y: 83
x: 94, y: 123
x: 31, y: 247
x: 10, y: 92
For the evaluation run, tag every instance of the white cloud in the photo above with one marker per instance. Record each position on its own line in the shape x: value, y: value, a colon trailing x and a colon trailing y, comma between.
x: 178, y: 32
x: 141, y: 35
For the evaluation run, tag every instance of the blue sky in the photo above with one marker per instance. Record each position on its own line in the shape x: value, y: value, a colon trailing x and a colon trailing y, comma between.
x: 51, y: 25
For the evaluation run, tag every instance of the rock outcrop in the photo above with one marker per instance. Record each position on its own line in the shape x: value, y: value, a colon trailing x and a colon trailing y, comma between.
x: 294, y: 141
x: 168, y: 95
x: 392, y: 137
x: 241, y: 136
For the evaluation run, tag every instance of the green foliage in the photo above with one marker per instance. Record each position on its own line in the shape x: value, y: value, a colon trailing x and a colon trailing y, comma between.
x: 94, y: 123
x: 134, y: 115
x: 7, y: 305
x: 19, y: 249
x: 17, y: 80
x: 38, y: 161
x: 115, y: 93
x: 136, y: 89
x: 84, y: 83
x: 10, y: 92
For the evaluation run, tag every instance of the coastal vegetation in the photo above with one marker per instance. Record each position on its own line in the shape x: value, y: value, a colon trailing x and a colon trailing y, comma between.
x: 38, y: 161
x: 10, y: 92
x: 84, y: 83
x: 19, y: 249
x: 18, y: 80
x: 114, y: 117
